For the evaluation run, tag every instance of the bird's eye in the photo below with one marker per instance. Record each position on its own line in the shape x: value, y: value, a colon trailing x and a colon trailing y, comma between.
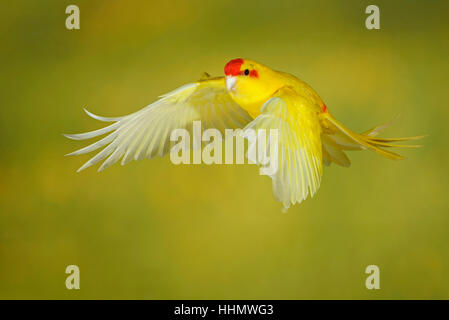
x: 246, y: 72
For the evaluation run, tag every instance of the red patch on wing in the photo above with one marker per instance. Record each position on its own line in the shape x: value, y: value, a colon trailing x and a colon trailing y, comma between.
x: 324, y: 108
x: 232, y: 68
x: 253, y: 73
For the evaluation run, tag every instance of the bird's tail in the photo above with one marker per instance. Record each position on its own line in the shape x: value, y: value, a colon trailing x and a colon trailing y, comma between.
x: 337, y: 138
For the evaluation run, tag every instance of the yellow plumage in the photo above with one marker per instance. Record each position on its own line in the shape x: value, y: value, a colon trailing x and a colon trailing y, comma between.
x: 251, y: 96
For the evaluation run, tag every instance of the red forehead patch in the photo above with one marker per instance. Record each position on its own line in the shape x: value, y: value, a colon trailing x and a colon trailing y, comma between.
x: 232, y: 68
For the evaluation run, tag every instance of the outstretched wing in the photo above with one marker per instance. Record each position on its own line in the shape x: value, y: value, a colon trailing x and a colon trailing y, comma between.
x: 146, y: 133
x: 299, y: 148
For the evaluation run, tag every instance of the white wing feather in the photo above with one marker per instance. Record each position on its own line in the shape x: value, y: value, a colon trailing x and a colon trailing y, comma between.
x: 299, y: 148
x: 146, y: 133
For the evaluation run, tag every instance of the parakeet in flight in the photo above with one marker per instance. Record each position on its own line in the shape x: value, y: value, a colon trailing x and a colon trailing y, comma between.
x: 250, y: 95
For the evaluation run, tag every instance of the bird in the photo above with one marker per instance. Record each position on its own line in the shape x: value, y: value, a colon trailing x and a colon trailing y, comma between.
x: 250, y: 95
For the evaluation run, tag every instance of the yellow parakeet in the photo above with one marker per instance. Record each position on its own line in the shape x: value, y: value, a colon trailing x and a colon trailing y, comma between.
x: 250, y: 95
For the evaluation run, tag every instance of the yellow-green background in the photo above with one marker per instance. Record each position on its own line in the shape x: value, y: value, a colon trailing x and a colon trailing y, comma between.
x: 152, y: 230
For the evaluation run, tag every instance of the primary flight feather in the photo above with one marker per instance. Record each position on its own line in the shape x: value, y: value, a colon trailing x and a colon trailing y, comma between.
x: 250, y: 95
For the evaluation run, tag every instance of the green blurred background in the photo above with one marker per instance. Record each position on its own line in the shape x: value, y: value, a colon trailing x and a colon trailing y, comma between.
x: 152, y: 230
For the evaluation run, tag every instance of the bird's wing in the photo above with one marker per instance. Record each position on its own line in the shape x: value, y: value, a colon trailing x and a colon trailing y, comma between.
x: 299, y: 148
x: 146, y: 133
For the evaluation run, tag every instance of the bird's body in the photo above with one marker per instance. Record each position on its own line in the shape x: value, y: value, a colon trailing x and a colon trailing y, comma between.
x: 250, y: 96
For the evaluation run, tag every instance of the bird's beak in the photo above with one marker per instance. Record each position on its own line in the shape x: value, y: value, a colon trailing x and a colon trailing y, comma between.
x: 230, y: 83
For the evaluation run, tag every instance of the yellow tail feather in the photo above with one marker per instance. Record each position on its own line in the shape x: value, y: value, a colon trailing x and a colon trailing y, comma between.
x: 339, y: 136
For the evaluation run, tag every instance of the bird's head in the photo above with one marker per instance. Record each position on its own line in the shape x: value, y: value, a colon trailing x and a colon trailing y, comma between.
x: 249, y: 82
